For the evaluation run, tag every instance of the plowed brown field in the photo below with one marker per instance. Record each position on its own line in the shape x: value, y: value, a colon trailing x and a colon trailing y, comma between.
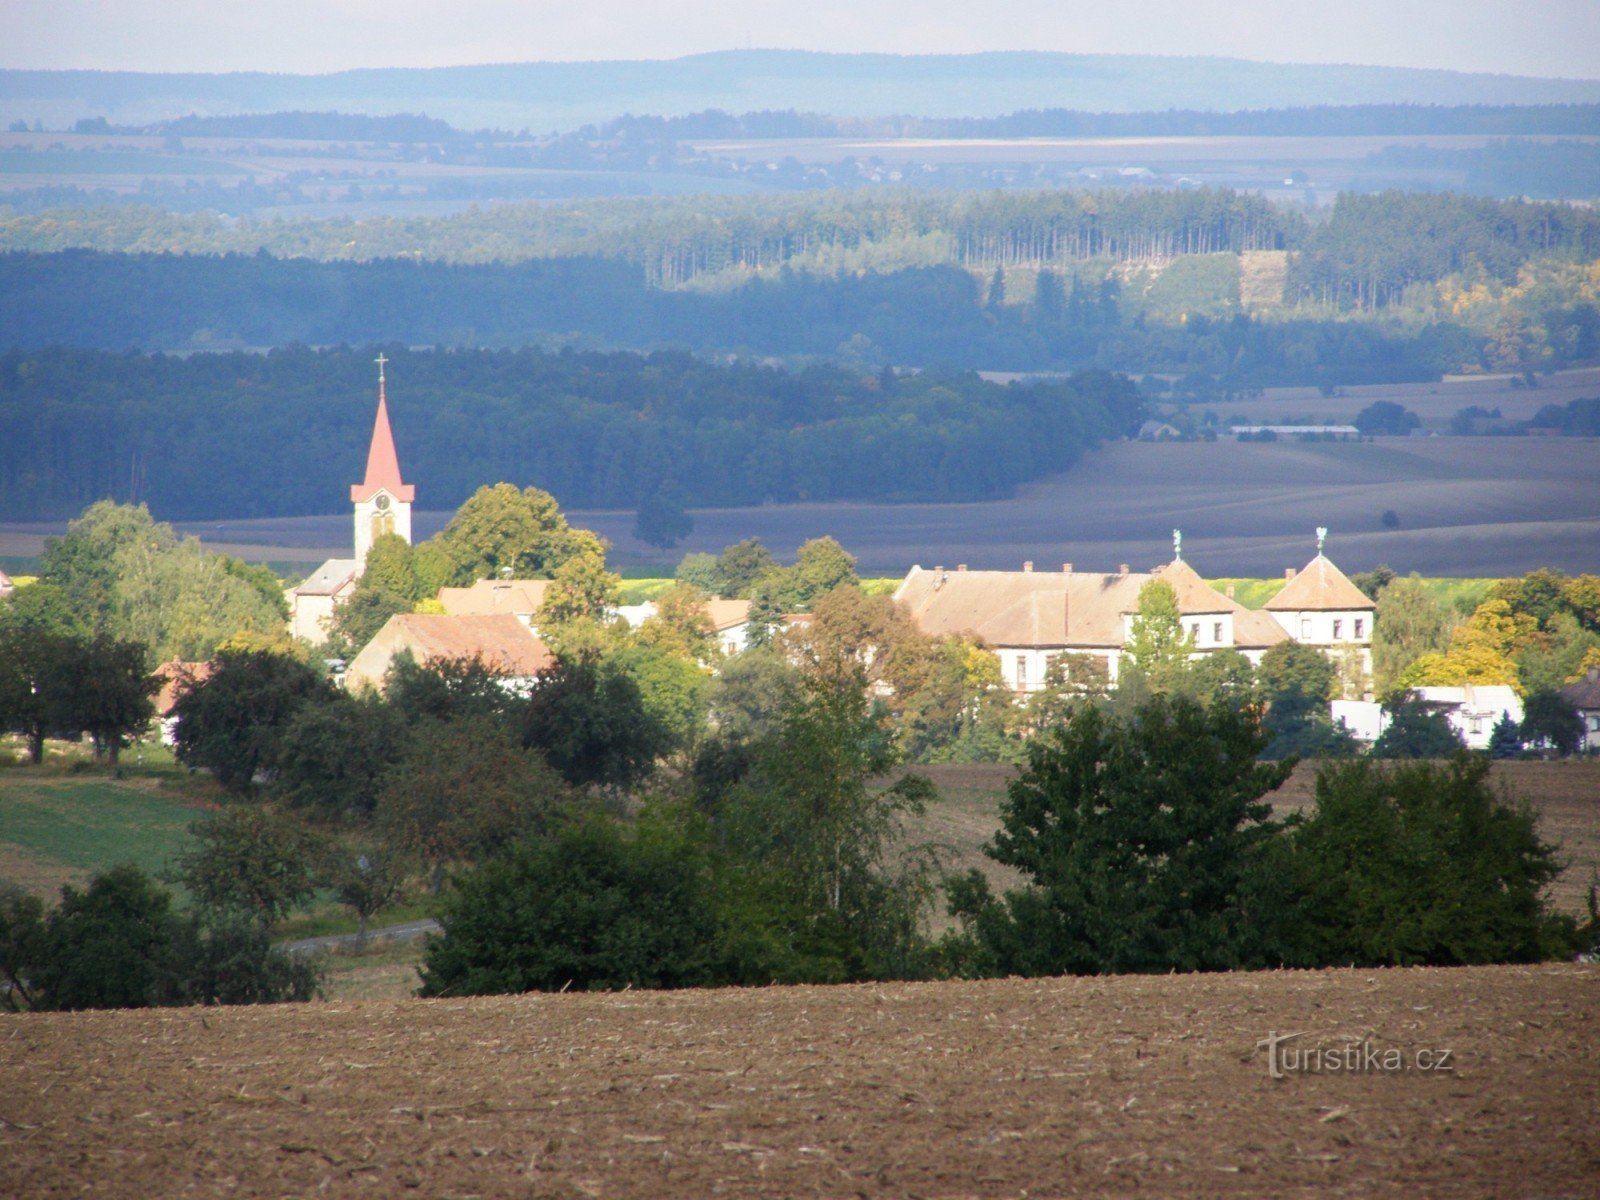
x: 1134, y: 1085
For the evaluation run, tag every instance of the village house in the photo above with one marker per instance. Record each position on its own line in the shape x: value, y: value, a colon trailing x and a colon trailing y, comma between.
x: 1584, y: 695
x: 521, y: 598
x: 382, y: 505
x: 503, y: 644
x: 1472, y: 711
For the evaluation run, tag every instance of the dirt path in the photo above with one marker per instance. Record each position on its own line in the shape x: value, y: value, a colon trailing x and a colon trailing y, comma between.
x: 1136, y: 1085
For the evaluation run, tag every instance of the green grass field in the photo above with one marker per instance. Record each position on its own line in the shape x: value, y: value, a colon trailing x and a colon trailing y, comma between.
x: 57, y: 827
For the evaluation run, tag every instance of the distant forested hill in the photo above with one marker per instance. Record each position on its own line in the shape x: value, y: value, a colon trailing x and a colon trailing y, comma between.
x: 545, y: 96
x: 1392, y: 287
x: 280, y: 434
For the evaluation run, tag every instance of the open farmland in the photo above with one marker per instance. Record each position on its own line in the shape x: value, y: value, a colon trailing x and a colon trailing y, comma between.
x: 1106, y: 1086
x: 1477, y: 507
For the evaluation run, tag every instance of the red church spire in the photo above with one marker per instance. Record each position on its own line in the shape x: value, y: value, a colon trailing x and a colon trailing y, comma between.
x: 383, y: 464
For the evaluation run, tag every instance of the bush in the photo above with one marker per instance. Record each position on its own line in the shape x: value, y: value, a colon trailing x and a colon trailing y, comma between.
x: 588, y: 909
x: 1418, y: 863
x: 119, y: 944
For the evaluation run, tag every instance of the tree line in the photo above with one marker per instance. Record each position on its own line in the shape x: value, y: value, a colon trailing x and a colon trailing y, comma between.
x: 256, y: 435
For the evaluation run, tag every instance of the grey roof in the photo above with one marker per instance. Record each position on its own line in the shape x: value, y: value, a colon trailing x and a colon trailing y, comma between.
x: 329, y: 577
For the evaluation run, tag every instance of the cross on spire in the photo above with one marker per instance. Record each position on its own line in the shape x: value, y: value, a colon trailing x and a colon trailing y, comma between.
x: 380, y: 360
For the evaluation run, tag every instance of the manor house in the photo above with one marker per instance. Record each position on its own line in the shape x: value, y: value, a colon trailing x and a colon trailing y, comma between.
x: 1029, y: 617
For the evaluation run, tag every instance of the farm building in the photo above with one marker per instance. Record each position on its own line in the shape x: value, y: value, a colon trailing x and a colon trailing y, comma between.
x: 503, y: 644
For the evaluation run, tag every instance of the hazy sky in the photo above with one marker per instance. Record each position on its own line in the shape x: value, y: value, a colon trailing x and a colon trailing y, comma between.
x: 1524, y: 37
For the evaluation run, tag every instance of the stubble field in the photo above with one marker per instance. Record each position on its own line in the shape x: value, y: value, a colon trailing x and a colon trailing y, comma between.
x: 1122, y: 1086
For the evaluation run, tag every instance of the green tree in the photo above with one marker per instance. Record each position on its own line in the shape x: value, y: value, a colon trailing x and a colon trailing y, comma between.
x: 1420, y: 863
x: 815, y: 825
x: 106, y: 946
x: 466, y: 790
x: 333, y: 754
x: 740, y: 565
x: 589, y: 721
x: 231, y: 722
x: 1415, y: 730
x: 447, y: 689
x: 358, y: 620
x: 1386, y: 418
x: 391, y: 567
x: 40, y: 678
x: 1506, y: 739
x: 1549, y: 719
x: 113, y: 703
x: 1139, y: 839
x: 821, y: 565
x: 501, y: 531
x: 251, y: 860
x: 1407, y: 624
x: 1158, y: 649
x: 583, y: 590
x: 662, y: 522
x: 367, y: 879
x: 588, y: 908
x: 699, y: 570
x: 1297, y: 682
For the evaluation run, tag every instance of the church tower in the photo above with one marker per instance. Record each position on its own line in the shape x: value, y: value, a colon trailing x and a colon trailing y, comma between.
x: 383, y: 503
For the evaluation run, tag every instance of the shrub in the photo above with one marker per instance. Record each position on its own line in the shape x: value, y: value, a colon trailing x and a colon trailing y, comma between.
x: 1416, y: 863
x: 588, y: 909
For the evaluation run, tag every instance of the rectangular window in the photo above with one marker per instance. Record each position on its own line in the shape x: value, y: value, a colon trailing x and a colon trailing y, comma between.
x: 1216, y: 632
x: 1022, y: 672
x: 1338, y: 629
x: 1361, y: 628
x: 1305, y: 629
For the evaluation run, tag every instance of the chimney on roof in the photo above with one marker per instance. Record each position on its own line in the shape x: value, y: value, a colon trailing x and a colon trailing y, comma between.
x: 1122, y: 568
x: 1028, y: 566
x: 961, y: 566
x: 1230, y: 591
x: 1066, y: 568
x: 1288, y: 574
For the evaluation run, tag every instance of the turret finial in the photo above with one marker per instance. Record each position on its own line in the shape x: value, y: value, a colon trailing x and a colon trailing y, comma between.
x: 1322, y: 536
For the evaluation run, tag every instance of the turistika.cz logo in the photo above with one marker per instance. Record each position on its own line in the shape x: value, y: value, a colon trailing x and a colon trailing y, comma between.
x: 1351, y: 1056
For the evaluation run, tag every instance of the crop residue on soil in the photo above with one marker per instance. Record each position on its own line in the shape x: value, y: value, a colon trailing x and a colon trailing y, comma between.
x: 1106, y: 1086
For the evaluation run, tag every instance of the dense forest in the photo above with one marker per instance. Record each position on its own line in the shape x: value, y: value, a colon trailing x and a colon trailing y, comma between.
x: 928, y: 316
x: 1363, y: 245
x: 284, y: 433
x: 1324, y: 120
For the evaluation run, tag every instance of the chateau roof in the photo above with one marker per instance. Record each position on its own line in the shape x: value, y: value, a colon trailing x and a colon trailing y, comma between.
x: 1064, y: 608
x: 1319, y: 588
x: 383, y: 464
